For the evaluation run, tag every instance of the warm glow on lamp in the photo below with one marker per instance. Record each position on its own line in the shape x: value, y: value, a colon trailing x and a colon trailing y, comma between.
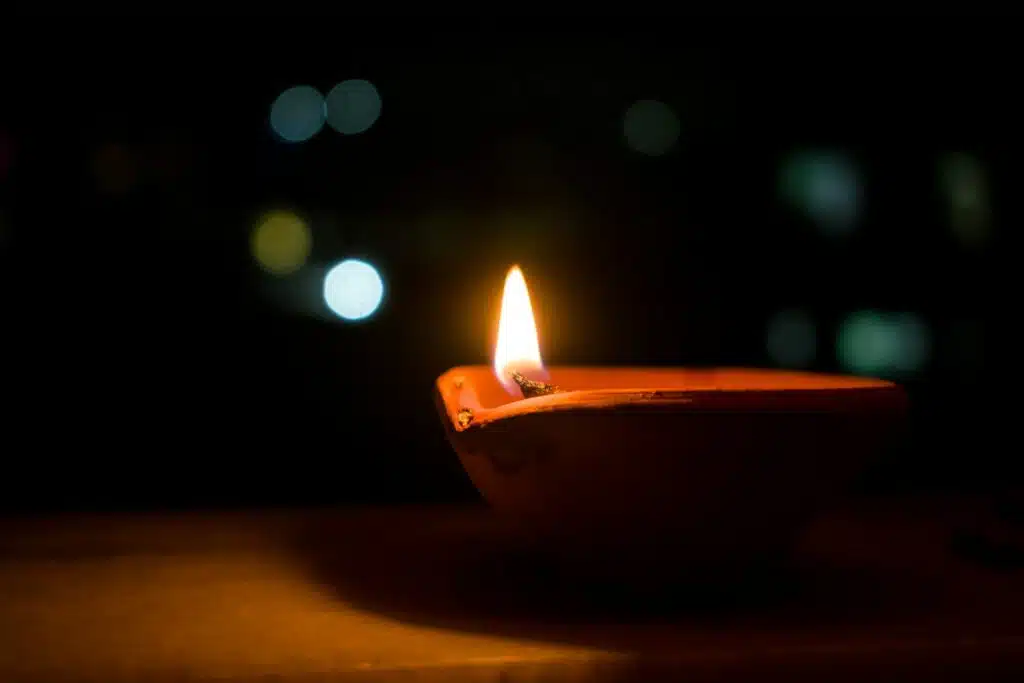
x: 517, y: 349
x: 650, y: 473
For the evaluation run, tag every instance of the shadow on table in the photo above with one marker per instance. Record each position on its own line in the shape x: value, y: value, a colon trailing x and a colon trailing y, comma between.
x: 461, y: 569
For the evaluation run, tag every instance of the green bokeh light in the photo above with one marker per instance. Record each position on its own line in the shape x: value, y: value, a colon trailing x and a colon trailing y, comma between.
x: 353, y: 106
x: 651, y: 127
x: 883, y: 343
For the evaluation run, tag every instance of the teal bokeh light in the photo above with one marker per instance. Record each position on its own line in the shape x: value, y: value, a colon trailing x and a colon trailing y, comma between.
x: 298, y: 114
x: 883, y: 343
x: 826, y: 187
x: 791, y: 339
x: 651, y: 127
x: 353, y: 106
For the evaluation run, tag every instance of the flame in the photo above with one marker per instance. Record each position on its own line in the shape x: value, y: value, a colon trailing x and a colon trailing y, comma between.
x: 517, y: 348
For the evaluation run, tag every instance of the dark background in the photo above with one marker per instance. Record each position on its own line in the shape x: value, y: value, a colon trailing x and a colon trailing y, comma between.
x: 148, y: 361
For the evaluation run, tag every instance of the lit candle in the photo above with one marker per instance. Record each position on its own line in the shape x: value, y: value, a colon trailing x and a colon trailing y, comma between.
x: 726, y: 462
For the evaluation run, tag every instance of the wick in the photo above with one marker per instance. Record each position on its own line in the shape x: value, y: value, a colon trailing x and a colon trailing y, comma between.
x: 531, y: 388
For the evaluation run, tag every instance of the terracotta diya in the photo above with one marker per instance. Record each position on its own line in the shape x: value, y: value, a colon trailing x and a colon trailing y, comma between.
x: 713, y: 467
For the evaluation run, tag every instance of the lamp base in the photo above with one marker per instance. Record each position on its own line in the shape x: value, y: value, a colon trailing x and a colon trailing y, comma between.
x: 702, y: 469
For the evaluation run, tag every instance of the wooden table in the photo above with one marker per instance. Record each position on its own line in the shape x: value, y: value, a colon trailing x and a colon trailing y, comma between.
x: 435, y: 594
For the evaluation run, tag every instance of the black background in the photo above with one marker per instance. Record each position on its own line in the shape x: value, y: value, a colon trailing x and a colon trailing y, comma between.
x: 148, y: 361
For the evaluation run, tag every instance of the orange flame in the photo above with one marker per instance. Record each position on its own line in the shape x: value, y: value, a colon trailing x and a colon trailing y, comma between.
x: 517, y: 348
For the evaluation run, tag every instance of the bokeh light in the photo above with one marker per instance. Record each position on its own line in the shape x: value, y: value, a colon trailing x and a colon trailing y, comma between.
x: 651, y: 127
x: 965, y: 185
x: 353, y: 106
x: 883, y: 343
x: 353, y: 289
x: 298, y: 113
x: 791, y: 339
x: 281, y: 242
x: 826, y: 187
x: 115, y: 168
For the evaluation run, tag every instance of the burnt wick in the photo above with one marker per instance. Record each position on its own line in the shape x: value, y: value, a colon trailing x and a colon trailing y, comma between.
x: 531, y: 388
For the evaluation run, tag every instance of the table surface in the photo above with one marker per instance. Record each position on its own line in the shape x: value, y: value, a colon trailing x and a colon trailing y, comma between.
x: 437, y: 594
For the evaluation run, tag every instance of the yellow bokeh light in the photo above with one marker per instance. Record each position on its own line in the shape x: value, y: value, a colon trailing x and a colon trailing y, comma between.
x: 281, y: 242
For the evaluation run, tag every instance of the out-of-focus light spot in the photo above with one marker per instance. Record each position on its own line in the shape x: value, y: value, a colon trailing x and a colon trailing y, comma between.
x: 353, y: 106
x: 883, y: 344
x: 651, y: 127
x: 298, y: 113
x: 115, y: 168
x: 792, y: 339
x: 965, y: 185
x: 353, y: 289
x: 825, y: 186
x: 281, y: 242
